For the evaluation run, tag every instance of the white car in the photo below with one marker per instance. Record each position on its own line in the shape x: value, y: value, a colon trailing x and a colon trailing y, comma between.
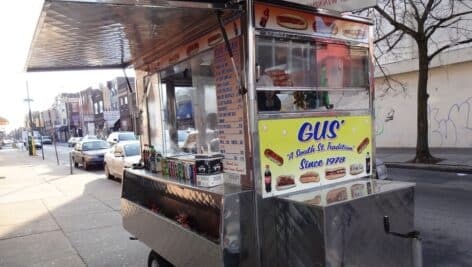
x: 122, y: 155
x: 117, y: 137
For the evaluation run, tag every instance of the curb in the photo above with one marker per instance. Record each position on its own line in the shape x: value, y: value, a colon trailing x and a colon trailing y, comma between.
x: 433, y: 167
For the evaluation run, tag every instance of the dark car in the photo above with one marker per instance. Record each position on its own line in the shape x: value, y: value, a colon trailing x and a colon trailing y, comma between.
x: 89, y: 153
x: 47, y: 140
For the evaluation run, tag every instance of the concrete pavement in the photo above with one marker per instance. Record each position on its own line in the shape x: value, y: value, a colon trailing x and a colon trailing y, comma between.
x: 452, y: 159
x: 51, y: 218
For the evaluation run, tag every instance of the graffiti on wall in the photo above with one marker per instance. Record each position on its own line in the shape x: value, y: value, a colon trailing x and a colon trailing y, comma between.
x: 383, y: 116
x: 454, y: 128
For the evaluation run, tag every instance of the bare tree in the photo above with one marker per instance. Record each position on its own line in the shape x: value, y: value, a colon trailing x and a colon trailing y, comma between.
x: 433, y: 26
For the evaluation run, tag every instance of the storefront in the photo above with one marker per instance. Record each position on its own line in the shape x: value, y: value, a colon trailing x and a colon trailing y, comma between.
x: 256, y: 123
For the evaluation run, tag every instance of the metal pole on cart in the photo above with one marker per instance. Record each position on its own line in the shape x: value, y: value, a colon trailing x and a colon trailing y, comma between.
x: 250, y: 67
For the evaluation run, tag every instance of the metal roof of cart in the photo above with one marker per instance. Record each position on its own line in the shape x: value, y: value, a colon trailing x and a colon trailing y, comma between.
x: 95, y: 34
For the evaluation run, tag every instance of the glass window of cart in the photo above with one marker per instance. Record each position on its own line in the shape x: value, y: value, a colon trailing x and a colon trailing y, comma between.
x: 298, y: 75
x: 189, y: 106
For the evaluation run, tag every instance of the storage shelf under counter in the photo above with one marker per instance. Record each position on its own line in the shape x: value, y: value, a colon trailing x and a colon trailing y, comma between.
x: 172, y: 216
x: 339, y: 224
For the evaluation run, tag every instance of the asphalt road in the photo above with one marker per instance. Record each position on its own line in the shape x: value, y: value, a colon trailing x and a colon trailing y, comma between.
x: 443, y: 210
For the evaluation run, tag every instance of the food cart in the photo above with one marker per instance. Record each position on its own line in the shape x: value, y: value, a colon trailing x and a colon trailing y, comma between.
x: 256, y: 123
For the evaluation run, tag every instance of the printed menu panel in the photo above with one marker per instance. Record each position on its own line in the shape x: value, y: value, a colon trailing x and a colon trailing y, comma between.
x: 277, y: 18
x: 183, y: 52
x: 230, y: 109
x: 302, y: 153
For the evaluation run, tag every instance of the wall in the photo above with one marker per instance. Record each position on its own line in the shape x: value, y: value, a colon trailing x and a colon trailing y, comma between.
x: 449, y: 108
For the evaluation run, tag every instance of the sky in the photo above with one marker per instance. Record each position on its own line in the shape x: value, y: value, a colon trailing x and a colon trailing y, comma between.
x: 17, y: 25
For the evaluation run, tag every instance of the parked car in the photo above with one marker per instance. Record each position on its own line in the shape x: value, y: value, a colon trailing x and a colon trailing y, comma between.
x: 47, y: 140
x: 90, y: 137
x: 89, y: 153
x: 122, y: 155
x: 37, y: 142
x: 73, y: 141
x: 117, y: 137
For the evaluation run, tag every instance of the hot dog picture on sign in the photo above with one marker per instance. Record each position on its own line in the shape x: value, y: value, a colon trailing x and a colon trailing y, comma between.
x: 302, y: 153
x: 297, y: 21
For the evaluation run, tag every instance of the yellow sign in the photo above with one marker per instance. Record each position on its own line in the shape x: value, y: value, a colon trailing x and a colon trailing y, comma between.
x: 303, y: 153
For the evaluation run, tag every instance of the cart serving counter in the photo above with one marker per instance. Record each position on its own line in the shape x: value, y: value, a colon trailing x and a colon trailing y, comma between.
x: 256, y: 124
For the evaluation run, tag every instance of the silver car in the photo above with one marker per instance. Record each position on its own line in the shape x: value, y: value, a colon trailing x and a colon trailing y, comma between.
x: 89, y: 153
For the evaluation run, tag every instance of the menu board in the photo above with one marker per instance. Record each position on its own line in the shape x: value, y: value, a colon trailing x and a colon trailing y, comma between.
x: 282, y: 19
x: 302, y: 153
x: 337, y: 5
x: 230, y: 109
x: 183, y: 52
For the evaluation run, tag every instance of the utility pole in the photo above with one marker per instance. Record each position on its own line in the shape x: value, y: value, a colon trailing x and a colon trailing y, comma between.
x: 29, y: 100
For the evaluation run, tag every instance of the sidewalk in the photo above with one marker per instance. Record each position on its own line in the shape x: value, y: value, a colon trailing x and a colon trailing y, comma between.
x: 51, y: 218
x: 452, y: 159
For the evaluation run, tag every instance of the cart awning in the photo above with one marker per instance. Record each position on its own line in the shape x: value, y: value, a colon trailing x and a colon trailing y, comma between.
x: 85, y: 34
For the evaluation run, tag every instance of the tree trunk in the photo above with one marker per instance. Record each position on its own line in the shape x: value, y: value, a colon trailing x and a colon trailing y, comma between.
x: 422, y: 145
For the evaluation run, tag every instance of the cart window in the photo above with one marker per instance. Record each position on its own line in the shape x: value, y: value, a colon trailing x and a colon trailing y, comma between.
x: 295, y: 75
x: 189, y: 106
x: 341, y: 66
x: 285, y: 63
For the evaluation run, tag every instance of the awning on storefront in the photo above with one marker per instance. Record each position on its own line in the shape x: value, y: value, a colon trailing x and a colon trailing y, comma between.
x: 3, y: 121
x: 84, y: 34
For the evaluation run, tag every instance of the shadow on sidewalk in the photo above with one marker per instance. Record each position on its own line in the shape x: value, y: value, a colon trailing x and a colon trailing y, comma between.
x: 65, y: 220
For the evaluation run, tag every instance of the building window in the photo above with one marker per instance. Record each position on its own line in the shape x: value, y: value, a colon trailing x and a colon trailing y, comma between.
x: 101, y: 106
x: 121, y: 101
x: 126, y: 100
x: 95, y: 108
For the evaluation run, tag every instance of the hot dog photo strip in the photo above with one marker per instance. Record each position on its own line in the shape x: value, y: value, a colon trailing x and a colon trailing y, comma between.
x: 256, y: 123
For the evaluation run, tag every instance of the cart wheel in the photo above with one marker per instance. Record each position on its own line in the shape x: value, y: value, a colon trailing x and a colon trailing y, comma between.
x: 155, y: 260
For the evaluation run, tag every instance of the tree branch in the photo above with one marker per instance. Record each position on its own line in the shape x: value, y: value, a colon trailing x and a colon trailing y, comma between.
x: 448, y: 46
x: 427, y: 10
x: 392, y: 46
x: 432, y: 29
x: 385, y: 36
x: 396, y: 24
x: 417, y: 13
x: 388, y: 78
x: 440, y: 21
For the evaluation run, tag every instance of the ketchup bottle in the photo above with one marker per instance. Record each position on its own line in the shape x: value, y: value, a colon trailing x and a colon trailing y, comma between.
x: 264, y: 18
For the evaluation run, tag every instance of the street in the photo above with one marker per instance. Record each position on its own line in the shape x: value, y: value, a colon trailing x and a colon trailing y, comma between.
x: 443, y: 213
x: 51, y: 218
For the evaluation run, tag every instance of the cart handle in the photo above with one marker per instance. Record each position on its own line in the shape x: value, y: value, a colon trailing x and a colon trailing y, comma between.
x: 242, y: 89
x: 412, y: 234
